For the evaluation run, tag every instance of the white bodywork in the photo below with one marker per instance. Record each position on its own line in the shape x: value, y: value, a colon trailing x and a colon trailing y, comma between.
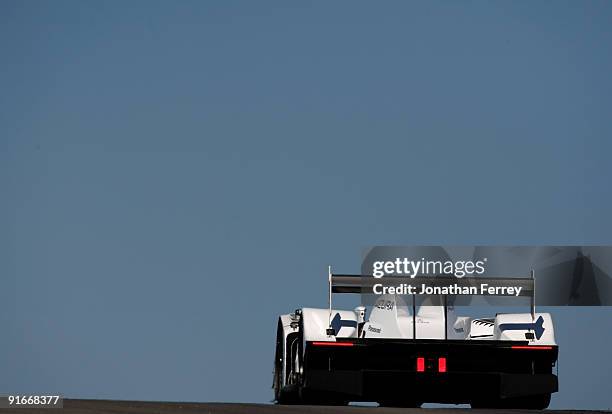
x: 316, y: 322
x: 392, y: 318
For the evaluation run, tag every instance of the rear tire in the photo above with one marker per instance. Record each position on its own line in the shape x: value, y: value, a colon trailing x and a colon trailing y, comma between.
x: 530, y: 402
x: 311, y: 397
x: 288, y: 395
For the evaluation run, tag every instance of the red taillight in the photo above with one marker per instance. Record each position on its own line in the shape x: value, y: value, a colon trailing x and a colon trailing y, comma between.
x: 534, y: 347
x: 442, y: 364
x: 420, y: 364
x: 332, y: 343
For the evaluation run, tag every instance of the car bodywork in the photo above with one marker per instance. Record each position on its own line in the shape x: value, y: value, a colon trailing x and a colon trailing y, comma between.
x: 409, y: 351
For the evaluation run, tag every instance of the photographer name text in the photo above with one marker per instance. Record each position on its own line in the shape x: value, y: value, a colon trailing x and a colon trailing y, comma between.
x: 453, y: 289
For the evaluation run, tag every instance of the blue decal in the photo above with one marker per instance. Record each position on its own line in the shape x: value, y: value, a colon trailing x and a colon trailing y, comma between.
x: 338, y: 323
x: 537, y: 327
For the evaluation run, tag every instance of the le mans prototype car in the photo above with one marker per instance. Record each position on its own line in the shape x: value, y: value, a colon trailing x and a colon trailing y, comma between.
x: 409, y: 352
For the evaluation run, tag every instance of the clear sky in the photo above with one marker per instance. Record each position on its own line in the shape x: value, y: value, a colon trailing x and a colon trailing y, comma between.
x: 173, y: 175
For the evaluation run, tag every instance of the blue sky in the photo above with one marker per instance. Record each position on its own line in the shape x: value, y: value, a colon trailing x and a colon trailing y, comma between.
x: 176, y: 174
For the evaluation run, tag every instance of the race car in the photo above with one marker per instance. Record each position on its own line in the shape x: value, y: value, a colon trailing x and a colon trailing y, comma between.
x: 408, y: 352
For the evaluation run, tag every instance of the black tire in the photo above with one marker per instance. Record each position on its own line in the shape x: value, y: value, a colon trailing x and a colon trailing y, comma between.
x: 529, y: 402
x: 312, y: 397
x: 288, y: 395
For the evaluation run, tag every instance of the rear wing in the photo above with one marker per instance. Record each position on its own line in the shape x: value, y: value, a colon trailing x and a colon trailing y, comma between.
x: 344, y: 283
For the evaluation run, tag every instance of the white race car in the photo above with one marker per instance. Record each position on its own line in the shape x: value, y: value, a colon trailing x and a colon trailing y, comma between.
x: 409, y: 352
